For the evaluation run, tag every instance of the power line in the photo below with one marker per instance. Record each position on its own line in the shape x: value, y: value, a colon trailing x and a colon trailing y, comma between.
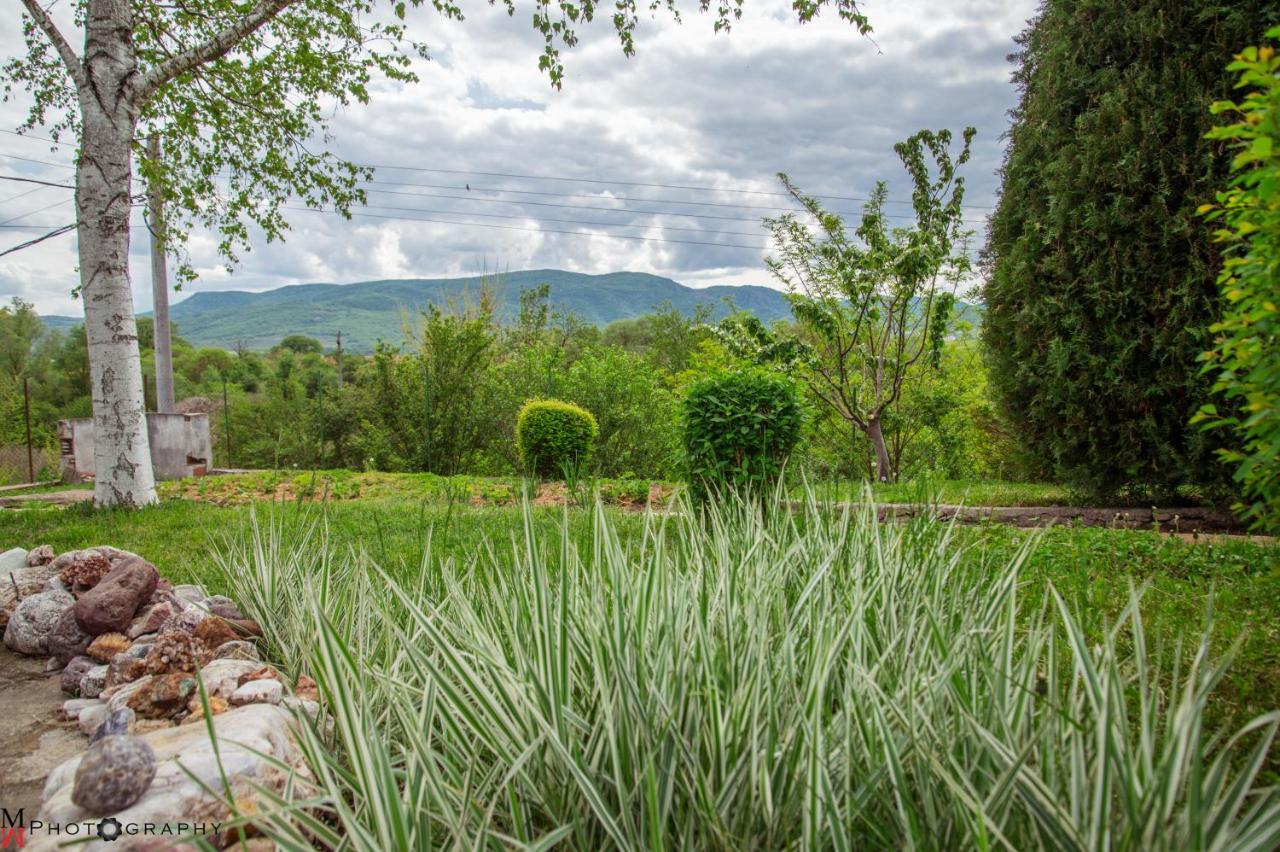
x: 41, y: 162
x: 54, y: 233
x: 23, y: 194
x: 34, y: 212
x: 33, y: 180
x: 534, y: 230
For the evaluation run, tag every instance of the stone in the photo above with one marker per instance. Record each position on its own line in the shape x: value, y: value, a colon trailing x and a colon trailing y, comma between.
x: 164, y: 696
x: 216, y: 705
x: 93, y: 682
x: 33, y: 620
x: 110, y: 605
x: 114, y: 722
x: 67, y: 640
x: 113, y: 774
x: 105, y: 646
x: 245, y: 626
x: 301, y: 706
x: 55, y: 584
x: 260, y: 673
x: 125, y: 667
x: 74, y: 670
x: 91, y: 718
x: 251, y: 740
x: 222, y: 677
x: 214, y: 632
x: 72, y: 708
x: 185, y: 621
x: 189, y: 593
x: 120, y: 698
x: 306, y: 689
x: 40, y: 555
x: 223, y: 607
x: 258, y: 692
x: 53, y: 665
x: 13, y: 559
x: 236, y: 650
x: 151, y: 618
x: 85, y: 571
x: 175, y: 651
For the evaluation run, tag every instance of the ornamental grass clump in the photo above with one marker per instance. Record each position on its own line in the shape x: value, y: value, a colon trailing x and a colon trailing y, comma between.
x: 736, y: 679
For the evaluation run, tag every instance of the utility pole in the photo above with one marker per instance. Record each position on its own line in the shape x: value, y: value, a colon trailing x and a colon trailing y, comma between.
x: 26, y: 410
x: 160, y: 291
x: 339, y: 358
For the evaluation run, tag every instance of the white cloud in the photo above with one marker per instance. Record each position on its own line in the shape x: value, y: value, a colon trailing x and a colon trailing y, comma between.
x: 691, y: 109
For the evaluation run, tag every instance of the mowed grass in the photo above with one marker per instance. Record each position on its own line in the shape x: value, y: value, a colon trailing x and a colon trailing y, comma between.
x: 1234, y: 581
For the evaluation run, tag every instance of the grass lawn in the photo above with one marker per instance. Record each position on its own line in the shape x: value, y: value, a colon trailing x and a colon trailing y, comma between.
x: 335, y: 485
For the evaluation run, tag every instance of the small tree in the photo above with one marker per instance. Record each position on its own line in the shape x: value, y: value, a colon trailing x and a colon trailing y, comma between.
x: 868, y: 309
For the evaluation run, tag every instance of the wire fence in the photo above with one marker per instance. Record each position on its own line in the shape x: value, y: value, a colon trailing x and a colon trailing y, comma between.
x: 20, y: 464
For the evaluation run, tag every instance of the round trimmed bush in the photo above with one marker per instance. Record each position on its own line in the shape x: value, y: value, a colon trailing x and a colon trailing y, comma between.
x: 554, y: 437
x: 739, y: 428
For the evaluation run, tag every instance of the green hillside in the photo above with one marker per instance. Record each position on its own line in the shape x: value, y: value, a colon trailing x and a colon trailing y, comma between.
x: 369, y: 311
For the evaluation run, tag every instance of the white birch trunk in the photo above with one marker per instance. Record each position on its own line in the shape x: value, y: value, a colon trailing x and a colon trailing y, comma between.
x: 123, y: 475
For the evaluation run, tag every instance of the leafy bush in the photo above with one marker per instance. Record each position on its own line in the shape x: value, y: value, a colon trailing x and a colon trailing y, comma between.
x: 739, y: 428
x: 554, y: 437
x: 1247, y: 356
x: 756, y: 682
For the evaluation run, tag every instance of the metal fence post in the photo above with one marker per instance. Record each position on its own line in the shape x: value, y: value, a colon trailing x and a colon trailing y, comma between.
x: 226, y: 419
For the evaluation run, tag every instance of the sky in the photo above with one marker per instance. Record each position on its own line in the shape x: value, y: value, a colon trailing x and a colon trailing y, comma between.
x: 662, y: 163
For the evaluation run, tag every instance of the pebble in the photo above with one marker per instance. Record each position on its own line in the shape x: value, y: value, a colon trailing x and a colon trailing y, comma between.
x: 73, y: 707
x: 114, y: 773
x: 236, y: 650
x: 74, y: 671
x: 189, y: 593
x: 91, y: 718
x: 93, y: 682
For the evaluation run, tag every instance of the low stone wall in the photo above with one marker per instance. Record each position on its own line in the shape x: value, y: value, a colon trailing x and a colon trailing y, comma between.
x: 130, y: 650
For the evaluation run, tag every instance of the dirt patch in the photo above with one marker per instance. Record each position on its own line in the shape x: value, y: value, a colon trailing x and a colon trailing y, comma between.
x: 53, y: 498
x: 35, y: 739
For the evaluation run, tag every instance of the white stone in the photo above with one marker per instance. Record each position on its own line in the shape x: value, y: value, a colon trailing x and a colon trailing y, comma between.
x: 92, y: 717
x: 12, y: 560
x: 73, y: 707
x: 33, y: 620
x: 93, y: 681
x: 222, y: 677
x: 189, y: 593
x: 246, y: 738
x: 265, y: 691
x: 29, y: 580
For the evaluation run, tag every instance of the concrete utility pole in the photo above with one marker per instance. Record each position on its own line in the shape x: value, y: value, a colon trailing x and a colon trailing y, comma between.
x: 160, y: 293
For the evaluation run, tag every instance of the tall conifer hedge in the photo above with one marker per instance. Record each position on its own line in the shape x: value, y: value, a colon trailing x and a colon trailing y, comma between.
x: 1099, y: 274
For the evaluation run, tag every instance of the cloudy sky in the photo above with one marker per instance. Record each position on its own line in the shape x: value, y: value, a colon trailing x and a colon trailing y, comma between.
x: 676, y: 149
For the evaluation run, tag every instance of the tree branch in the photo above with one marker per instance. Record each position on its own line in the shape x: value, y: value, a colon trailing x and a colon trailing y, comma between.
x: 60, y: 44
x: 216, y: 47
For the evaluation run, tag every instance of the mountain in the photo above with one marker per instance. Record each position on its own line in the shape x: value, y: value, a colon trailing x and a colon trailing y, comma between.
x: 369, y: 311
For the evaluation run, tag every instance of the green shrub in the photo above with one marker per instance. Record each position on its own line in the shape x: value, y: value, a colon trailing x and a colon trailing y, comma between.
x: 739, y: 429
x: 554, y: 437
x: 1247, y: 355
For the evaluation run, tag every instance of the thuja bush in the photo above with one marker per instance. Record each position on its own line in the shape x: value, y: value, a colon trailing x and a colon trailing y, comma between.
x: 736, y: 679
x: 738, y: 430
x: 554, y: 437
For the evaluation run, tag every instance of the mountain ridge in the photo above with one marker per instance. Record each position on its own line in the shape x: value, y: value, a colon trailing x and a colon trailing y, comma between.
x: 368, y: 311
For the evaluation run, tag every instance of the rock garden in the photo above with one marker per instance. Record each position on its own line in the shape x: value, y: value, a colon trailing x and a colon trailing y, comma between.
x: 183, y: 723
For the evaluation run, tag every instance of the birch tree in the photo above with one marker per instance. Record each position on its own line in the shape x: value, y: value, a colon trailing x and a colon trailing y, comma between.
x: 234, y: 89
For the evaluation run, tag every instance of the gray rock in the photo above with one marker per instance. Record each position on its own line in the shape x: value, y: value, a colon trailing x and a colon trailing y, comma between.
x: 12, y: 560
x: 41, y: 555
x: 302, y: 706
x: 91, y: 718
x: 237, y: 649
x: 265, y: 691
x: 73, y: 707
x: 33, y: 620
x: 55, y: 584
x: 67, y: 640
x: 222, y: 606
x: 93, y: 682
x: 28, y: 580
x: 120, y: 698
x: 73, y: 672
x: 189, y: 593
x: 114, y: 722
x: 53, y: 664
x: 113, y: 774
x: 222, y: 677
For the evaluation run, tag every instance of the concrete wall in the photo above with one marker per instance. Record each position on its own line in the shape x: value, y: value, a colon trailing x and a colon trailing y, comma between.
x: 181, y: 445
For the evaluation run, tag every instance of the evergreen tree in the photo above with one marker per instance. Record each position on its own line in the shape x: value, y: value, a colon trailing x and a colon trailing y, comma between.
x: 1099, y: 274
